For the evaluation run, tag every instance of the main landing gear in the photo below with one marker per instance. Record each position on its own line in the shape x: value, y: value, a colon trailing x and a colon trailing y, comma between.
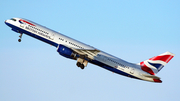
x: 81, y: 63
x: 20, y: 36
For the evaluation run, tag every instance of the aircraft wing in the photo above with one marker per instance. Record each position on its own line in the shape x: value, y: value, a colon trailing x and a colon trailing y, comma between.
x: 90, y: 53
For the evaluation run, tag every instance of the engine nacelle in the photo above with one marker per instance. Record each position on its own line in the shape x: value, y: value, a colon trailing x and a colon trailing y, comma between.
x: 66, y: 52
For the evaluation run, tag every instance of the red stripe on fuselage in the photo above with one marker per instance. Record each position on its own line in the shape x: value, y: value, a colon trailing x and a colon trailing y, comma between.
x: 27, y: 22
x: 165, y: 58
x: 146, y: 69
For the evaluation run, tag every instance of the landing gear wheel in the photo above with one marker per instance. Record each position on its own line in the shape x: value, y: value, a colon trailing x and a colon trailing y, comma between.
x: 82, y: 66
x: 20, y: 36
x: 78, y: 64
x: 19, y: 40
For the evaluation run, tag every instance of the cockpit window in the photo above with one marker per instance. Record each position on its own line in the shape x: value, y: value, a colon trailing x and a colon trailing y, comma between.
x: 13, y: 19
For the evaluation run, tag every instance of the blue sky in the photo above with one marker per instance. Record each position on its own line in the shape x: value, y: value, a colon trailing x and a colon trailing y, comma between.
x: 133, y: 30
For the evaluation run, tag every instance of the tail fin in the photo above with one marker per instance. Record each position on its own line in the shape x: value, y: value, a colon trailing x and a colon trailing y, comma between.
x: 155, y: 64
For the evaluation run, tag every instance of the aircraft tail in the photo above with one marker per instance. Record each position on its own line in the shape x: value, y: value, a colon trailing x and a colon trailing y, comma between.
x: 155, y: 64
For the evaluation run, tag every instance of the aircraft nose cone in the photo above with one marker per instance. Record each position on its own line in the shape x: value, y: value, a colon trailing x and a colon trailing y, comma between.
x: 5, y: 21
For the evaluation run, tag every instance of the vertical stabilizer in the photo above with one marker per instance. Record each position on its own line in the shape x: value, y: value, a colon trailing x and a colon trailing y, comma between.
x: 155, y: 64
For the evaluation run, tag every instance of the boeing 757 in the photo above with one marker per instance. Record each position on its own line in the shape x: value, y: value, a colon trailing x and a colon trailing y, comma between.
x: 84, y: 54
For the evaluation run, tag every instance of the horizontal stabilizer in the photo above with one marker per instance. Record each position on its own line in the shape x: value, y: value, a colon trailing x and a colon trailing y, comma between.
x: 151, y: 76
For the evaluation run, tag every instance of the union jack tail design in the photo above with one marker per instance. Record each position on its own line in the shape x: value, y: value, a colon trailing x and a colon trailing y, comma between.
x: 155, y: 64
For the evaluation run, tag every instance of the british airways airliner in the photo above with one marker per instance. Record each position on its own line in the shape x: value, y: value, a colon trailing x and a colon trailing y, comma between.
x: 84, y: 54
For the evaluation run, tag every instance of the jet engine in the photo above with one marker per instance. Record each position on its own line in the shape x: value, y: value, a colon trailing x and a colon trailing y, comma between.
x: 69, y: 53
x: 66, y: 52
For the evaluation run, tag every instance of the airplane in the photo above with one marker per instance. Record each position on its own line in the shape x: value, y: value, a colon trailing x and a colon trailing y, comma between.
x: 84, y: 54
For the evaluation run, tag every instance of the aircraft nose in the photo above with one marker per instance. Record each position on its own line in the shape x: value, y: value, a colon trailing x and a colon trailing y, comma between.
x: 5, y: 21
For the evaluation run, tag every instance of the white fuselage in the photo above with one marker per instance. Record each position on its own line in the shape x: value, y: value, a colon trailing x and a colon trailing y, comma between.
x: 54, y: 38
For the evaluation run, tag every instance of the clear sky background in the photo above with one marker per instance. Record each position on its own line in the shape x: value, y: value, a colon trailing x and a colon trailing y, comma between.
x: 134, y: 30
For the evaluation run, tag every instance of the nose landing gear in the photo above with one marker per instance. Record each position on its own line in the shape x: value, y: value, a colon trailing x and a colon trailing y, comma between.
x: 20, y: 36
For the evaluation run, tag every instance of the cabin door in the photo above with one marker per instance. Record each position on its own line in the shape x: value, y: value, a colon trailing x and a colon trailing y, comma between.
x: 132, y: 71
